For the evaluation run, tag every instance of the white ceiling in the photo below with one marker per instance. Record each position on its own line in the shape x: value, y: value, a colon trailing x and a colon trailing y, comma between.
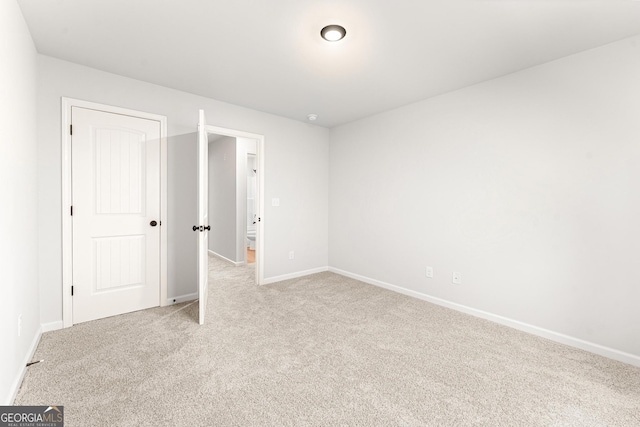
x: 268, y: 55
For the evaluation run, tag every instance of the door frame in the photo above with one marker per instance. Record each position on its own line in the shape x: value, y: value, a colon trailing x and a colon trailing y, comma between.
x: 67, y: 245
x: 259, y: 191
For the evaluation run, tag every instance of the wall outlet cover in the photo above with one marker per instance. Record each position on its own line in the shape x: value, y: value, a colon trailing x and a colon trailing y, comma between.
x: 457, y: 278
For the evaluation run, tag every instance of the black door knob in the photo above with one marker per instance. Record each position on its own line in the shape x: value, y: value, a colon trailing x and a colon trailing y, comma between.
x: 153, y: 223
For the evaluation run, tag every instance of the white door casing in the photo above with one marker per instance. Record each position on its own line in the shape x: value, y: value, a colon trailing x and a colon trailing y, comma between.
x: 116, y: 181
x: 202, y: 228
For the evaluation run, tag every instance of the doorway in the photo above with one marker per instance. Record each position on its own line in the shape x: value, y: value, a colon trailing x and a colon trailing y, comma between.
x: 234, y: 192
x: 203, y: 227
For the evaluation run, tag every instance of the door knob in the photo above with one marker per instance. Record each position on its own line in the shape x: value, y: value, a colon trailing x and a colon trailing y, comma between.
x: 208, y: 227
x: 153, y: 223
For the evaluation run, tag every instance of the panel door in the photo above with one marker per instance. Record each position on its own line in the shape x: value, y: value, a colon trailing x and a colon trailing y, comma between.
x: 116, y: 212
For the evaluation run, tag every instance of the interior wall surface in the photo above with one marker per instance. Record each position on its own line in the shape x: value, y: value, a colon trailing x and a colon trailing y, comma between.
x: 19, y: 255
x: 222, y: 197
x: 526, y: 185
x: 296, y: 171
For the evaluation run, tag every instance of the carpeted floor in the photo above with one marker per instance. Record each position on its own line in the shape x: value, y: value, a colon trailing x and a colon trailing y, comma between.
x: 323, y: 350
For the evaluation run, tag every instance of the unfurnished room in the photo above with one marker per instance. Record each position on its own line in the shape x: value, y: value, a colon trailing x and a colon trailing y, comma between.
x: 320, y: 213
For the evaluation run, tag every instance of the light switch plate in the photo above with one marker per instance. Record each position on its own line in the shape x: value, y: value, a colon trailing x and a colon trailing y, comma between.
x: 275, y: 201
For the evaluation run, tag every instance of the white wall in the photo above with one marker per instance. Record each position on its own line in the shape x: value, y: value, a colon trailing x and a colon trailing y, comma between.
x: 223, y: 197
x: 299, y: 223
x: 18, y: 193
x: 527, y: 185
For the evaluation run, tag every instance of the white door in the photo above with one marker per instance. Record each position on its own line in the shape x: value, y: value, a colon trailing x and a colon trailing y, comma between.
x: 203, y: 216
x: 116, y: 212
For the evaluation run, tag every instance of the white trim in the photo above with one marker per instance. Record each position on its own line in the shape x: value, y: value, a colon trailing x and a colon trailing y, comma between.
x: 52, y: 326
x: 260, y: 280
x: 164, y: 209
x: 181, y: 298
x: 601, y: 350
x: 67, y: 254
x: 294, y: 275
x: 260, y: 254
x: 67, y: 224
x: 15, y: 386
x: 217, y: 255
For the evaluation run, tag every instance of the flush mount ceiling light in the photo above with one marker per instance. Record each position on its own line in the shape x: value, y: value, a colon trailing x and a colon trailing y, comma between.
x: 333, y: 33
x: 312, y: 117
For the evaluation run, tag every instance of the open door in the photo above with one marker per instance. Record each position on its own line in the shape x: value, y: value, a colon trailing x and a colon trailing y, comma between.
x: 203, y: 216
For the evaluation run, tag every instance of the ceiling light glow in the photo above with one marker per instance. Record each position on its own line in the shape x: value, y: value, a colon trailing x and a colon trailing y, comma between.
x: 333, y: 33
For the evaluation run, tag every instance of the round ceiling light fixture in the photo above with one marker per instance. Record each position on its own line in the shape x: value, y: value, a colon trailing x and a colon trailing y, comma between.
x: 333, y: 33
x: 312, y: 117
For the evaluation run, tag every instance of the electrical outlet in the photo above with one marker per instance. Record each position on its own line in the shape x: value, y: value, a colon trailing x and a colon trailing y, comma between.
x: 290, y: 254
x: 429, y: 272
x: 20, y: 324
x: 457, y: 278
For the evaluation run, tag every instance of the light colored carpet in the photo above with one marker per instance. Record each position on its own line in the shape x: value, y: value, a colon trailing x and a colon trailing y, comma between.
x: 323, y: 350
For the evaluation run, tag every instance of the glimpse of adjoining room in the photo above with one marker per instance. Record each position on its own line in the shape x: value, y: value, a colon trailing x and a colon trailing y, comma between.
x: 252, y: 211
x: 232, y: 198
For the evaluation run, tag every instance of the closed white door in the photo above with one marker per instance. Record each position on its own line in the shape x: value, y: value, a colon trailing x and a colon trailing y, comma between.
x: 116, y: 213
x: 203, y: 217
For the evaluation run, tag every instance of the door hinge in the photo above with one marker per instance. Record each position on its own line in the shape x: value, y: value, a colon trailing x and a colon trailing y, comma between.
x: 71, y: 290
x: 71, y: 210
x: 70, y: 129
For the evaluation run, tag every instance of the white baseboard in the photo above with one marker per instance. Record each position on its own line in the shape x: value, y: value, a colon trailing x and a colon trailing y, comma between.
x: 534, y: 330
x: 217, y: 255
x: 182, y: 298
x: 52, y: 326
x: 15, y: 386
x: 295, y: 275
